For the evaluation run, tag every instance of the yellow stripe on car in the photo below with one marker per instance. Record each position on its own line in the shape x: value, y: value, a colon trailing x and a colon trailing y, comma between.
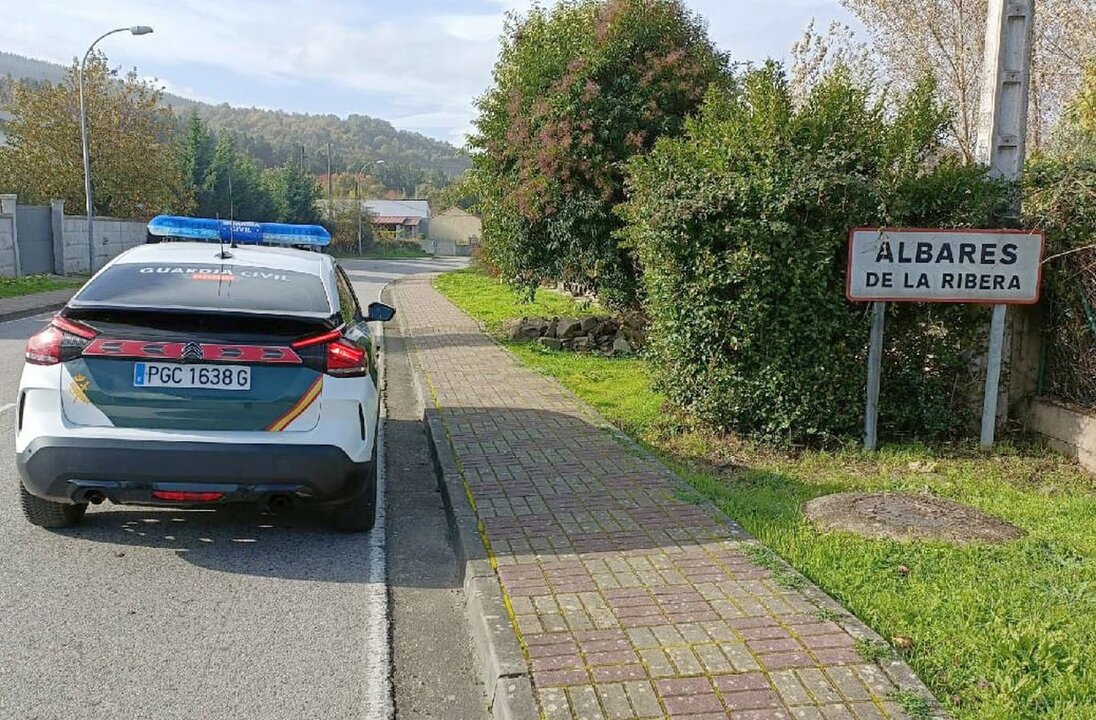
x: 299, y: 407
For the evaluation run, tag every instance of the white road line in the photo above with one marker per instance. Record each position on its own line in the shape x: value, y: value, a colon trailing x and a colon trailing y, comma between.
x: 378, y: 685
x: 6, y: 406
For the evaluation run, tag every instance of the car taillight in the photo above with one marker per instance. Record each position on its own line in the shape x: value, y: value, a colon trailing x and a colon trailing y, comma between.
x: 346, y: 360
x: 343, y: 358
x: 46, y: 348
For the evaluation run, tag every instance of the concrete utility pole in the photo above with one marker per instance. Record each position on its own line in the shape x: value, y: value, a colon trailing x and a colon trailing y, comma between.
x: 90, y: 204
x: 1002, y: 130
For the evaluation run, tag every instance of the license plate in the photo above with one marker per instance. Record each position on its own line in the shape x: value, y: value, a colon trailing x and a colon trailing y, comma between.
x: 210, y: 377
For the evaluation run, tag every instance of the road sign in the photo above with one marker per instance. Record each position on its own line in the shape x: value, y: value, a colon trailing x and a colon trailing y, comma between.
x: 955, y: 266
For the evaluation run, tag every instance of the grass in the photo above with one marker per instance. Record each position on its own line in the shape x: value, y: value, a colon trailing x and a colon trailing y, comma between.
x: 492, y: 302
x: 30, y: 284
x: 385, y: 252
x: 999, y: 632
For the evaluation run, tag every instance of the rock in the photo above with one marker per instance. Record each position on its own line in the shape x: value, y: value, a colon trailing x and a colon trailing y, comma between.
x: 590, y: 324
x: 582, y: 343
x: 609, y: 327
x: 550, y: 342
x: 621, y: 346
x: 528, y: 329
x: 552, y: 325
x: 568, y: 328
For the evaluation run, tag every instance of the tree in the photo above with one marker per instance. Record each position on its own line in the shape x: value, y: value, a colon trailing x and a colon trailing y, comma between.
x: 293, y: 193
x: 196, y: 159
x: 234, y: 187
x: 134, y: 167
x: 578, y: 90
x: 947, y: 37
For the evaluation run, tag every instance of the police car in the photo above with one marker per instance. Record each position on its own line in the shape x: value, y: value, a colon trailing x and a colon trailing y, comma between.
x: 196, y: 373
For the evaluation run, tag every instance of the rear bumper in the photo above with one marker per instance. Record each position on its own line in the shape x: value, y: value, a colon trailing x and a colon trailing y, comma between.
x: 128, y: 471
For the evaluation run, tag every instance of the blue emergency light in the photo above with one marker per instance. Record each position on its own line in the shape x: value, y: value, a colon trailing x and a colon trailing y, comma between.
x: 241, y: 233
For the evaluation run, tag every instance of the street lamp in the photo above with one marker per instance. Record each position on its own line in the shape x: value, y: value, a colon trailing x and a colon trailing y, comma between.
x: 135, y: 30
x: 358, y: 199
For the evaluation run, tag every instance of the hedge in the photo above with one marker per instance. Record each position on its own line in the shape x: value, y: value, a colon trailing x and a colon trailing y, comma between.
x: 741, y: 227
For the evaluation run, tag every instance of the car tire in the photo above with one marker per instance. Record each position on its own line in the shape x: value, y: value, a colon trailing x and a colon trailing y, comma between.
x: 49, y: 514
x: 358, y: 514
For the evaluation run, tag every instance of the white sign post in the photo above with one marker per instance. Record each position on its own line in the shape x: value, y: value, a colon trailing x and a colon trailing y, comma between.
x: 996, y: 267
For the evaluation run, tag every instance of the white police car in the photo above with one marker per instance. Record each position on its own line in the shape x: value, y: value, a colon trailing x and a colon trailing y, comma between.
x: 197, y: 374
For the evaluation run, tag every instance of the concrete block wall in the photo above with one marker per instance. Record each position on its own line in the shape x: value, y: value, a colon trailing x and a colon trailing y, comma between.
x: 9, y: 261
x: 7, y: 245
x: 1068, y: 431
x: 112, y: 237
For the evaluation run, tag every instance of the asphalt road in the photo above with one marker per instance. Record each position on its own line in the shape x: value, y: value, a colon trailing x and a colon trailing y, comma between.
x: 149, y: 613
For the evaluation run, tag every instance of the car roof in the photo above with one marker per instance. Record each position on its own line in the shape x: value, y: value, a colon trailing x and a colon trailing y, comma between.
x: 275, y: 258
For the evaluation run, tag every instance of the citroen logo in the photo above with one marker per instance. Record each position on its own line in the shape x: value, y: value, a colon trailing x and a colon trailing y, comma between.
x: 192, y: 352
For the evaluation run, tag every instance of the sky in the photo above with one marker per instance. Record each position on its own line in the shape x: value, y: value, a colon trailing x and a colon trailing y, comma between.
x: 416, y: 63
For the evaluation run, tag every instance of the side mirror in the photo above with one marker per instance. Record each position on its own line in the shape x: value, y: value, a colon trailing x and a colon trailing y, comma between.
x: 380, y: 312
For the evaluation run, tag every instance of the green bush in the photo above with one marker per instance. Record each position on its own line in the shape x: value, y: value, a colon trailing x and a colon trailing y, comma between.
x: 741, y: 227
x: 1060, y: 199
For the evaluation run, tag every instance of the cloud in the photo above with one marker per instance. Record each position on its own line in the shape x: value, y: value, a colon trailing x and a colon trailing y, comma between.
x: 417, y: 64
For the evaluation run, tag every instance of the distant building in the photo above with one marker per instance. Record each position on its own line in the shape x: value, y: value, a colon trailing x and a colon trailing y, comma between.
x: 453, y: 232
x: 406, y: 218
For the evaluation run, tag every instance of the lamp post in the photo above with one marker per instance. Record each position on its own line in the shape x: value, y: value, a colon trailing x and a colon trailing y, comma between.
x: 135, y: 30
x: 358, y: 199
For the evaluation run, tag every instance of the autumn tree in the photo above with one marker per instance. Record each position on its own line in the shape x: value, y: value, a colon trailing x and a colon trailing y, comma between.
x: 947, y: 37
x: 578, y: 90
x: 134, y: 166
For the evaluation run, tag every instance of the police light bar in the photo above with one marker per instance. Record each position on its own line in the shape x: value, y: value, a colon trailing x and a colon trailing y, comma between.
x: 242, y: 233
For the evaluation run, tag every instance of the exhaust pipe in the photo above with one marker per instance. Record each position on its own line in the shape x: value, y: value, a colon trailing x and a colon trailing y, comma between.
x: 278, y: 503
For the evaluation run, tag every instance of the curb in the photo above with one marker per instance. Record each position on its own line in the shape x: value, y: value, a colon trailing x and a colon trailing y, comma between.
x: 497, y: 652
x: 29, y: 312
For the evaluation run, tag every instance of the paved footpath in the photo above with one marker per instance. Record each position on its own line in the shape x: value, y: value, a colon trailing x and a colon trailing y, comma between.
x: 628, y: 602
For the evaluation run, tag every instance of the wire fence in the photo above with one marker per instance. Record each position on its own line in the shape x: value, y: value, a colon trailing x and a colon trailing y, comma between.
x: 1070, y: 366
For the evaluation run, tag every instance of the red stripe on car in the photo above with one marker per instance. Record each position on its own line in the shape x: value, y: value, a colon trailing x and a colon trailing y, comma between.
x: 143, y: 349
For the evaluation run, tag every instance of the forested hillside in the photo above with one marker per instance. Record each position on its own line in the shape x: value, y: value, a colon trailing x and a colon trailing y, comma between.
x: 274, y: 136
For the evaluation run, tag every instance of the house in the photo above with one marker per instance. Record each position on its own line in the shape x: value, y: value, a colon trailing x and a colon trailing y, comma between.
x: 453, y: 232
x: 405, y: 218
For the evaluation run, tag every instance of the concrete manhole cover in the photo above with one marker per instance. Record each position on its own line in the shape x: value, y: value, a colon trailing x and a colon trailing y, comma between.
x: 907, y: 516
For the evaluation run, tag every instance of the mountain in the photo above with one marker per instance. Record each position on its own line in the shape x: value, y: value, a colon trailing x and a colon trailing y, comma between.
x: 274, y: 136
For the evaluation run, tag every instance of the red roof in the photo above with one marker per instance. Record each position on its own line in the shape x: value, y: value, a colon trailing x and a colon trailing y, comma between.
x: 396, y: 220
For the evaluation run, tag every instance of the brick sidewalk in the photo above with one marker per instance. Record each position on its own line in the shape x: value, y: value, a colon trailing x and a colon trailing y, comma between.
x: 628, y: 602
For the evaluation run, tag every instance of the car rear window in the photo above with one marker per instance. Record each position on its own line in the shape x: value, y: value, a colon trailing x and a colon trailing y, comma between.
x: 226, y: 287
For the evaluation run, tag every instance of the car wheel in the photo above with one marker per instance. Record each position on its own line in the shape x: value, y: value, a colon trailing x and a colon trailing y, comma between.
x: 49, y: 514
x: 358, y: 514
